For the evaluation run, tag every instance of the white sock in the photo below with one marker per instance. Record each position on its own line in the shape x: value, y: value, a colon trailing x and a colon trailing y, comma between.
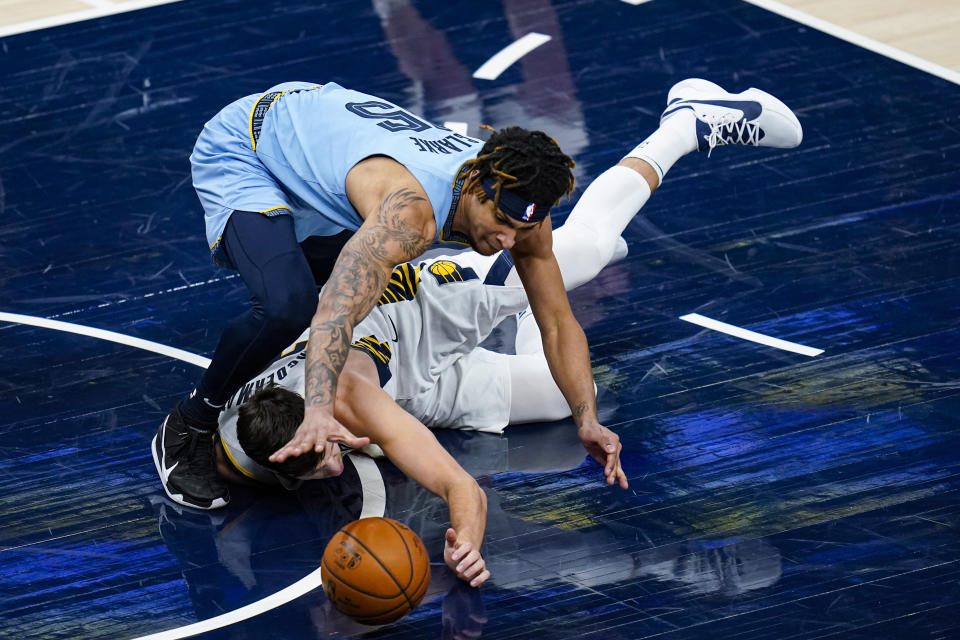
x: 676, y: 137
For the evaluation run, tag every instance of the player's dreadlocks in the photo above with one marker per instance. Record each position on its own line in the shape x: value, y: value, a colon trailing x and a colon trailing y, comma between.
x: 527, y: 162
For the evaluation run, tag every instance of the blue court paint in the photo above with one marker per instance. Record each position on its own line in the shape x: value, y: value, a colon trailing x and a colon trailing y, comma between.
x: 772, y: 495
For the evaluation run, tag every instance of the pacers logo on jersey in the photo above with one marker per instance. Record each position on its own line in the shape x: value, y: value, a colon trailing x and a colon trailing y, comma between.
x: 446, y: 271
x: 403, y: 284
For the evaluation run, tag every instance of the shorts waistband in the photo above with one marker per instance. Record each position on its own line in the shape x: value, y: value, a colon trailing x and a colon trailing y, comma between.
x: 263, y: 105
x: 258, y: 112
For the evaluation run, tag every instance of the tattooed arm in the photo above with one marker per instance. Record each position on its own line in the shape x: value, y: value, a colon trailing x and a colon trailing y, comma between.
x: 565, y: 347
x: 398, y: 226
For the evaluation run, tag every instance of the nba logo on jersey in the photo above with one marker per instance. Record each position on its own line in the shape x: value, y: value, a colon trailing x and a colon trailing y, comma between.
x: 529, y: 212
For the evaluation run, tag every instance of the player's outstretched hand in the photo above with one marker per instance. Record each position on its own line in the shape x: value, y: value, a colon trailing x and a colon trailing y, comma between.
x: 318, y: 427
x: 464, y: 560
x: 604, y: 446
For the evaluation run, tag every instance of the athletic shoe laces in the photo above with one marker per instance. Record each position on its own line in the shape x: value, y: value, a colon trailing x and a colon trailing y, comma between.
x: 199, y: 453
x: 728, y: 129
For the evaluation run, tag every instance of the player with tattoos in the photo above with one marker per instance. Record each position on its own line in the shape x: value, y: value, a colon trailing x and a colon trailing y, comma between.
x: 316, y: 183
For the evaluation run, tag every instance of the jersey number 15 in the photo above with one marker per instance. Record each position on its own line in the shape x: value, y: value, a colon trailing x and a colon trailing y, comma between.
x: 391, y: 117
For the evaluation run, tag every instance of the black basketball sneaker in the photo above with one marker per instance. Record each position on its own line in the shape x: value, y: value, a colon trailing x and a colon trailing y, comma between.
x: 185, y: 461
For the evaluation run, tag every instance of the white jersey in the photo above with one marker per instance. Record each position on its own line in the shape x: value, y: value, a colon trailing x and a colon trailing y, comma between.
x: 423, y: 335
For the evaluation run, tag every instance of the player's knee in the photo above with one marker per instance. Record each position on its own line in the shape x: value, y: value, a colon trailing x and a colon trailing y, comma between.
x: 291, y: 308
x: 603, y: 248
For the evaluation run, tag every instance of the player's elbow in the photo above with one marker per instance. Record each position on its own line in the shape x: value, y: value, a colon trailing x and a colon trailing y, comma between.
x: 465, y: 485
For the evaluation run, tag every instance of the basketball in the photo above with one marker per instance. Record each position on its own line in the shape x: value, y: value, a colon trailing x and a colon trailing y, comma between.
x: 375, y: 570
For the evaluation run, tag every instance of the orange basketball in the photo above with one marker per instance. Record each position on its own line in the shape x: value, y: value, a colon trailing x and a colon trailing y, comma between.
x: 375, y: 570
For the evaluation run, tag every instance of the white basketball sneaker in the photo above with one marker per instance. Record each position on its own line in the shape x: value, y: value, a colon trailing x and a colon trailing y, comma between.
x: 752, y: 117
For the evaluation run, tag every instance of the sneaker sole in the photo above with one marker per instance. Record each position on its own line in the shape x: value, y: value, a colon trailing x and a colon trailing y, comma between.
x: 179, y: 498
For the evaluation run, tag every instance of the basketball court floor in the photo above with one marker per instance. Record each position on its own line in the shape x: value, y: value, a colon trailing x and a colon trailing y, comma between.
x: 773, y: 494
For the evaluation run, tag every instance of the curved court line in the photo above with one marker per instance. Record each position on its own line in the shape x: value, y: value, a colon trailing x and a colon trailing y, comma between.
x: 374, y: 503
x: 111, y: 336
x: 500, y: 61
x: 371, y: 483
x: 372, y: 487
x: 753, y: 336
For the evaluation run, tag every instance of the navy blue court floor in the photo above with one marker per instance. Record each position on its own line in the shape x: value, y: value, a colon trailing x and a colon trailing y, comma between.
x: 773, y: 495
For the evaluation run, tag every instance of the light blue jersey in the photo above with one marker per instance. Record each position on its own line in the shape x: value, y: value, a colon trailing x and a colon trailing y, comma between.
x: 289, y: 151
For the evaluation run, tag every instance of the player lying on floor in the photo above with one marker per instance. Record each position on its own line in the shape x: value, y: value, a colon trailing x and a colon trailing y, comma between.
x: 416, y: 360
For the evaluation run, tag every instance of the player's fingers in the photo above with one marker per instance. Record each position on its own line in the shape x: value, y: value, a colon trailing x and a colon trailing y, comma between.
x: 618, y: 469
x: 468, y: 562
x: 479, y: 580
x: 300, y: 443
x: 285, y: 452
x: 462, y: 551
x: 622, y: 479
x: 346, y: 437
x: 611, y: 448
x: 614, y: 474
x: 339, y: 433
x: 471, y: 565
x: 451, y: 536
x: 612, y: 462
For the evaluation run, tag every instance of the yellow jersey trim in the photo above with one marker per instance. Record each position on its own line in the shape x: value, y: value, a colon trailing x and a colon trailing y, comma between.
x: 253, y: 139
x: 236, y: 465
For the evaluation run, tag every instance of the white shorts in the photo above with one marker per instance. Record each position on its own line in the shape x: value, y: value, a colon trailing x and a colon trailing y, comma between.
x: 473, y: 393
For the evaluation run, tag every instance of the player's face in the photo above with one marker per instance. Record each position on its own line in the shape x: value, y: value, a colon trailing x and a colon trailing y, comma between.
x: 492, y: 230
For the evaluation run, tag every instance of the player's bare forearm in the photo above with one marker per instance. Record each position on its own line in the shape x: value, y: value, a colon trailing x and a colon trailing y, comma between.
x: 464, y: 537
x: 368, y: 410
x: 568, y: 355
x: 564, y: 343
x: 468, y: 510
x: 393, y: 231
x: 359, y: 277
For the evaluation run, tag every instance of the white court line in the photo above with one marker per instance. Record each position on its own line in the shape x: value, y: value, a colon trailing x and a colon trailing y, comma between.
x: 859, y: 40
x: 374, y: 503
x: 302, y: 586
x: 102, y: 9
x: 103, y: 334
x: 753, y: 336
x: 371, y: 484
x: 458, y: 127
x: 374, y: 491
x: 635, y: 2
x: 500, y: 61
